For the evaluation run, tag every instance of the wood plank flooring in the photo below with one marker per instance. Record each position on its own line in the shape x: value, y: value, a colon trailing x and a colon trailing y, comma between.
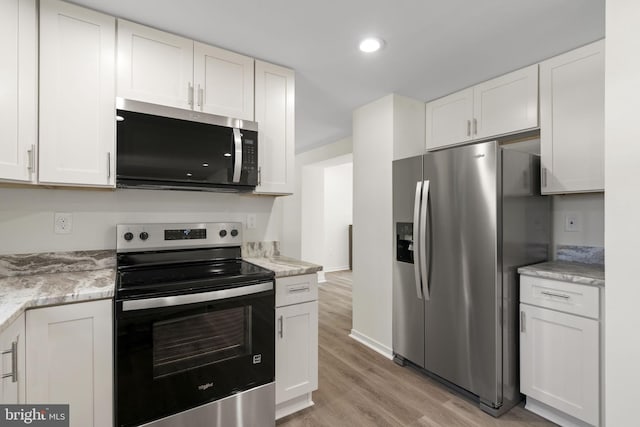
x: 359, y: 387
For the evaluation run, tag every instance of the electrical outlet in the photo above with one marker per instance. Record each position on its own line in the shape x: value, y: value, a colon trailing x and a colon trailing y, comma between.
x: 62, y: 222
x: 571, y: 222
x: 251, y: 221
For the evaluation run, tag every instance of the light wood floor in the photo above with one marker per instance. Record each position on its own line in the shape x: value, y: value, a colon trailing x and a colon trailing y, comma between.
x: 359, y: 387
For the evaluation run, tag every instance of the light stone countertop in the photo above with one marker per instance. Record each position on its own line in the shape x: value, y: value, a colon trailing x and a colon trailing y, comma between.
x: 575, y: 272
x: 284, y: 266
x: 18, y: 293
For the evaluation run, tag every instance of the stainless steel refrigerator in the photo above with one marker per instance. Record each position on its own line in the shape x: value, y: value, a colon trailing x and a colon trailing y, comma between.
x: 464, y: 220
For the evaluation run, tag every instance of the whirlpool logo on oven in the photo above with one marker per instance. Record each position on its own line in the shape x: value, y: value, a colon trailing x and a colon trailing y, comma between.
x: 204, y: 387
x: 34, y: 415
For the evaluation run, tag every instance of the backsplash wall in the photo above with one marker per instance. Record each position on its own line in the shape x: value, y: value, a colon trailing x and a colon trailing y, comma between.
x: 589, y: 210
x: 26, y: 215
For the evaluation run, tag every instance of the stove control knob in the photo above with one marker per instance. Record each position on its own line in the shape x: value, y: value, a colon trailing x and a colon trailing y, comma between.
x: 234, y: 232
x: 144, y: 235
x: 223, y: 233
x: 128, y: 236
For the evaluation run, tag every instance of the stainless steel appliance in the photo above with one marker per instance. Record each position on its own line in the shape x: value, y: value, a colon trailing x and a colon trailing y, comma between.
x: 464, y: 219
x: 161, y: 147
x: 194, y: 329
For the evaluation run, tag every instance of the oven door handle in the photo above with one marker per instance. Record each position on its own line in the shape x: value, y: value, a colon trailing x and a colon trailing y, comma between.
x: 144, y: 304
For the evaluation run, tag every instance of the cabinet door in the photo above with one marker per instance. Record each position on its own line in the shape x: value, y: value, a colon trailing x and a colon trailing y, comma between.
x: 70, y: 359
x: 275, y: 114
x: 223, y: 82
x: 18, y: 93
x: 559, y: 361
x: 77, y: 102
x: 296, y: 350
x: 506, y: 104
x: 449, y: 119
x: 572, y: 121
x: 12, y: 340
x: 154, y: 66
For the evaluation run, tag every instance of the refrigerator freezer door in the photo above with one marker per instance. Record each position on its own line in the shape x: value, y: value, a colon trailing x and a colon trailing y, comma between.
x: 408, y: 308
x: 462, y: 319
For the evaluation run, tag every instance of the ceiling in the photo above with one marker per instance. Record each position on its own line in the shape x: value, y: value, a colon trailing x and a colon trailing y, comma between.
x: 433, y: 47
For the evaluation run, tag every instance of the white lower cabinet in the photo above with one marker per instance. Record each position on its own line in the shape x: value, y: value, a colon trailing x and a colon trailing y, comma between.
x: 12, y: 347
x: 560, y: 351
x: 296, y: 343
x: 70, y: 360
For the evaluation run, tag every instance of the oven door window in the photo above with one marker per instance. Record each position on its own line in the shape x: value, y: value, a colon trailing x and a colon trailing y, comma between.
x: 198, y: 340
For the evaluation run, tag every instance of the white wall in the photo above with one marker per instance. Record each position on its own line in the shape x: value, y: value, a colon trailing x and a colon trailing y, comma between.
x: 589, y: 209
x: 379, y: 128
x: 26, y: 215
x: 338, y: 214
x: 312, y: 215
x: 291, y: 244
x: 622, y: 208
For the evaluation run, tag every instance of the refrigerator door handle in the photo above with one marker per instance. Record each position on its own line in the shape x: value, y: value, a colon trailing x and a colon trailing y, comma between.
x: 424, y: 239
x: 417, y: 239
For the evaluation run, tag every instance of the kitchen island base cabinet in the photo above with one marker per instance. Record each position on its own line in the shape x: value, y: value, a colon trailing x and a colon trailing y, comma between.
x: 12, y: 347
x: 70, y: 360
x: 296, y: 343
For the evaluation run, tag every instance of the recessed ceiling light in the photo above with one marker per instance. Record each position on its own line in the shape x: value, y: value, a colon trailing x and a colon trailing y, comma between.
x: 371, y: 44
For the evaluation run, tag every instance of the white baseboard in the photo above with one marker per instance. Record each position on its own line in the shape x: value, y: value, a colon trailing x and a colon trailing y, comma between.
x: 321, y: 278
x: 332, y: 269
x: 372, y: 344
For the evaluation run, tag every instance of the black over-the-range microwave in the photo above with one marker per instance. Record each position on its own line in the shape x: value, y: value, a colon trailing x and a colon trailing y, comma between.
x: 170, y: 148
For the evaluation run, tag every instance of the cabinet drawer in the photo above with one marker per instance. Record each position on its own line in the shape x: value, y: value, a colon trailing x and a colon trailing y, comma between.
x: 296, y: 289
x: 573, y: 298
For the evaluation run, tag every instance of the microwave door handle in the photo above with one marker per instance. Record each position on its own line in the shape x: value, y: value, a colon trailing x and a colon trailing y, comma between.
x: 237, y: 166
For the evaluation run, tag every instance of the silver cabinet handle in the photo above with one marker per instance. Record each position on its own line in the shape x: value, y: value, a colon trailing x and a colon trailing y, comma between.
x: 190, y: 94
x: 298, y: 289
x: 30, y: 164
x: 200, y: 98
x: 143, y: 304
x: 553, y: 294
x: 423, y: 241
x: 281, y: 326
x: 475, y: 126
x: 108, y: 165
x: 523, y: 326
x: 544, y: 177
x: 237, y: 165
x: 14, y: 362
x: 468, y: 127
x: 259, y: 176
x: 417, y: 237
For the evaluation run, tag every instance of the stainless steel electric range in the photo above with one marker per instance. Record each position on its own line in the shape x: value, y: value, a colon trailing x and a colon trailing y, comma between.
x: 194, y: 329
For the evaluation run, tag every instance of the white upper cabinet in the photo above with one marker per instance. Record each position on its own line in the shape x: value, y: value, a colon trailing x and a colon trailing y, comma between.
x: 449, y: 119
x: 506, y: 104
x: 572, y: 121
x: 500, y: 106
x: 18, y: 90
x: 223, y: 82
x: 162, y: 68
x: 77, y: 95
x: 154, y: 66
x: 275, y: 114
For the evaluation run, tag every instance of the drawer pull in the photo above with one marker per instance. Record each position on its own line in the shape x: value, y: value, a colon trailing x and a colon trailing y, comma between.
x: 552, y: 294
x: 298, y: 289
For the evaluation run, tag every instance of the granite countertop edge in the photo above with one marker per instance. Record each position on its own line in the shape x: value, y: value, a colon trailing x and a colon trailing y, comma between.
x: 284, y: 266
x: 566, y: 271
x: 20, y: 293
